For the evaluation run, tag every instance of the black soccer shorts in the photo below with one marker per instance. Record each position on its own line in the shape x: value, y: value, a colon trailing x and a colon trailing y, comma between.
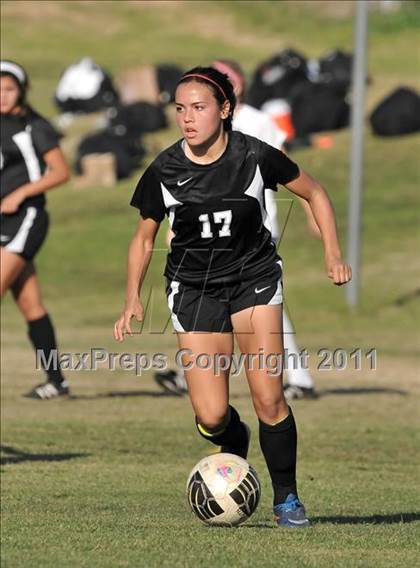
x: 24, y: 232
x: 209, y: 310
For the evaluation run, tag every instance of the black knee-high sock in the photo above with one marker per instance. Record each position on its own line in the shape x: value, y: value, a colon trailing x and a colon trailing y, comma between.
x: 231, y: 432
x: 41, y: 334
x: 278, y: 444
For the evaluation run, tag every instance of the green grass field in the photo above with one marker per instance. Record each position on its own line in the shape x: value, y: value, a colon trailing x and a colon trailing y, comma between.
x: 99, y: 479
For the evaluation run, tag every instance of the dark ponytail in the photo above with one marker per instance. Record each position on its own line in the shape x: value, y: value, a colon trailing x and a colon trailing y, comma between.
x: 218, y: 83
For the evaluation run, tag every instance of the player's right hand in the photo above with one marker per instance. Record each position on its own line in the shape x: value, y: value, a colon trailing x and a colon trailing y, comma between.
x: 122, y: 325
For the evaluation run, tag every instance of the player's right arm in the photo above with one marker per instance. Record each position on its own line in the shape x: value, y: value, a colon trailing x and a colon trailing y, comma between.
x: 310, y: 219
x: 139, y: 255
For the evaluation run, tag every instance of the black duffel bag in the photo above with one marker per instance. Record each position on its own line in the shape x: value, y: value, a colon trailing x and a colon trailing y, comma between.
x: 398, y: 113
x: 137, y: 118
x: 128, y: 151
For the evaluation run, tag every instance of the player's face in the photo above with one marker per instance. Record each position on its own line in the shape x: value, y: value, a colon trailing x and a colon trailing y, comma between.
x: 9, y: 95
x: 198, y: 113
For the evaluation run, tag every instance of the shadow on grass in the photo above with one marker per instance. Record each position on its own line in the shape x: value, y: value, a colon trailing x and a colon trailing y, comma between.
x: 12, y: 455
x: 395, y: 518
x: 122, y: 394
x: 137, y: 393
x: 408, y: 297
x: 362, y: 390
x: 163, y: 394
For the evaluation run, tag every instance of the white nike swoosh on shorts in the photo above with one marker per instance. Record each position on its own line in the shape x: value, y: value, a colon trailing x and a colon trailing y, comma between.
x: 261, y: 290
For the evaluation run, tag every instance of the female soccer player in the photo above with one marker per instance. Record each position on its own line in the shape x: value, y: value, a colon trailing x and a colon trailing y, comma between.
x: 224, y: 276
x: 31, y: 164
x: 256, y: 123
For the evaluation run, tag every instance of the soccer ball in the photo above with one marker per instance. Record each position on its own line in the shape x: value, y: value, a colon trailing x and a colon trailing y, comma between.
x: 223, y: 490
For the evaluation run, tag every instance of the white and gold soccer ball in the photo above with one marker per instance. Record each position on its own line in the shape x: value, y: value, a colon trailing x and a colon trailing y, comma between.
x: 223, y: 490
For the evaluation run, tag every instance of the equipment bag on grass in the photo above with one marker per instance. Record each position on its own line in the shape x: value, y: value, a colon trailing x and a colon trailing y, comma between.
x: 398, y: 113
x: 85, y: 87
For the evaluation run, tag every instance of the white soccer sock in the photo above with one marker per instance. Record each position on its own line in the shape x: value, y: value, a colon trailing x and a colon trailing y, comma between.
x: 296, y: 375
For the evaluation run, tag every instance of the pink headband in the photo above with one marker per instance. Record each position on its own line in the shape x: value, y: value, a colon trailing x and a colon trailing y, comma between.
x: 235, y: 78
x: 206, y: 79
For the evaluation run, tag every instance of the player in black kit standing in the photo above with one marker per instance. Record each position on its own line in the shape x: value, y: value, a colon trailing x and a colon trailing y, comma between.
x: 223, y: 274
x: 31, y: 164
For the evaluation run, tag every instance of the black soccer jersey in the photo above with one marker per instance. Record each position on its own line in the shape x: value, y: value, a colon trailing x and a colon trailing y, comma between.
x: 216, y: 211
x: 24, y: 141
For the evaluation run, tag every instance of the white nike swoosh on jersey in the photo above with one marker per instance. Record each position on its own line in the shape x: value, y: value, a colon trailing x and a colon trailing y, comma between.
x: 258, y: 291
x: 184, y: 182
x: 4, y: 238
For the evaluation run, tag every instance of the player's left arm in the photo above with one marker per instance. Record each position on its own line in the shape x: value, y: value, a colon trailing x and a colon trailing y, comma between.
x: 314, y: 194
x: 57, y: 172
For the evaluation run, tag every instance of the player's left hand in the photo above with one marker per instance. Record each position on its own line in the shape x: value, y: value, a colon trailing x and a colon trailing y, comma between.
x: 338, y: 271
x: 10, y: 203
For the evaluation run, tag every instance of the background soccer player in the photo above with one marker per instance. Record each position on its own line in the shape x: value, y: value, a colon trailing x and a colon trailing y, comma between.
x: 31, y: 164
x: 224, y: 276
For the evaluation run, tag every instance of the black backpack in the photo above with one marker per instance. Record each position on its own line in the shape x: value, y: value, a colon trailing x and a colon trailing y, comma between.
x: 398, y: 113
x: 335, y: 69
x: 276, y: 77
x: 317, y: 108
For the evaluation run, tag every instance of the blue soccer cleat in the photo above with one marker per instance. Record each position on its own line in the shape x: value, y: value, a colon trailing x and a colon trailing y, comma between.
x: 291, y: 513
